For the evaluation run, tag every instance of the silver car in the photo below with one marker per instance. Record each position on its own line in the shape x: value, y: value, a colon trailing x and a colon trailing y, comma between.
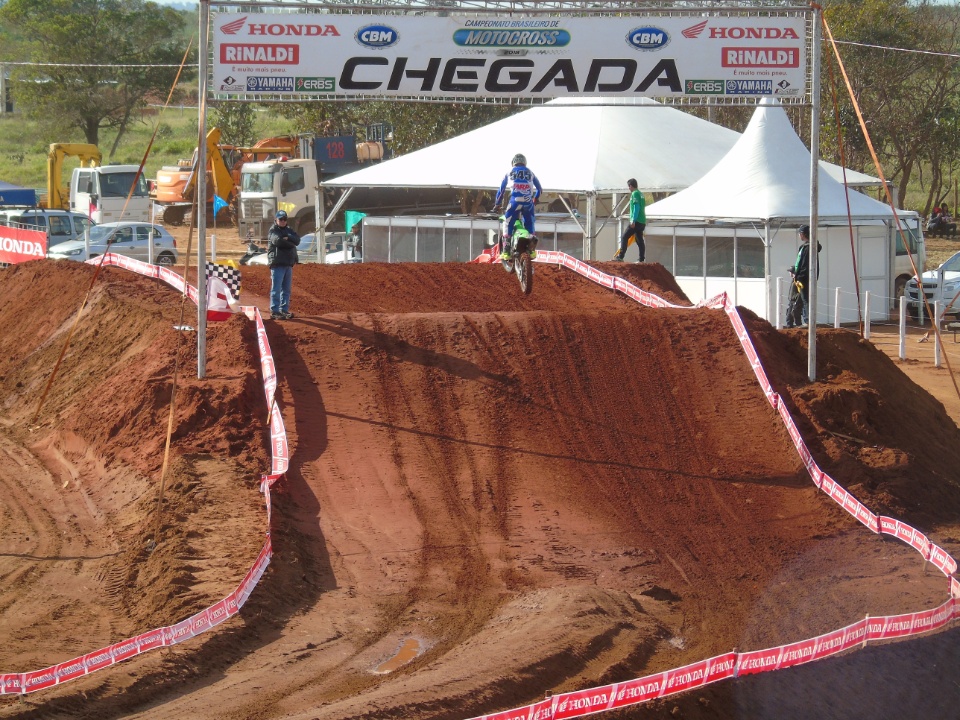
x: 307, y: 250
x: 60, y: 225
x: 132, y: 239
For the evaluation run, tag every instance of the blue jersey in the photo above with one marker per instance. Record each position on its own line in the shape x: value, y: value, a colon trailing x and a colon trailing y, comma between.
x: 522, y: 184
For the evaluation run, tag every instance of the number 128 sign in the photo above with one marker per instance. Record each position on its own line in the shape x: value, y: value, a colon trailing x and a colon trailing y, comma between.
x: 292, y: 56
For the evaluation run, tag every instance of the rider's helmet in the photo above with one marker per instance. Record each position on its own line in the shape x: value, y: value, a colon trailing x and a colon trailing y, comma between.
x: 519, y: 159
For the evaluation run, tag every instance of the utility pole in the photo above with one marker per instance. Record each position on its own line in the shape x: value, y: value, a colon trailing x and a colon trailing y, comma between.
x: 3, y: 88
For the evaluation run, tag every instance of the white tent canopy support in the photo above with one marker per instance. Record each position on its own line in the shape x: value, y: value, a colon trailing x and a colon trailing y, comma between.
x: 761, y: 188
x: 584, y: 146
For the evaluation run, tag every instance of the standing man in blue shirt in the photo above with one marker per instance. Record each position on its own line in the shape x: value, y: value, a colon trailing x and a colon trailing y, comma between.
x: 638, y: 221
x: 524, y: 189
x: 282, y: 244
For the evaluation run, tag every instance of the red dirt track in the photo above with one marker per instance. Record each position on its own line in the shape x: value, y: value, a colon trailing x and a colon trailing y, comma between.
x: 538, y: 494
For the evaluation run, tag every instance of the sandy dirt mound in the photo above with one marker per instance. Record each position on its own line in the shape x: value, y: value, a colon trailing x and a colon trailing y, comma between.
x: 490, y: 498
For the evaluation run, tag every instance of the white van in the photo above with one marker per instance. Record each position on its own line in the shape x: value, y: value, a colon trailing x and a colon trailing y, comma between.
x: 60, y: 225
x: 100, y: 193
x: 902, y: 268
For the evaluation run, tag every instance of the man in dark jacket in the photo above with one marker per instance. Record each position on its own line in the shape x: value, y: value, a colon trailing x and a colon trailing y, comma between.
x: 281, y: 257
x: 801, y: 272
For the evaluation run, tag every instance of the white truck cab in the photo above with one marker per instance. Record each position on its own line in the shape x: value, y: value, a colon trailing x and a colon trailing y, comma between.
x: 272, y: 185
x: 101, y: 193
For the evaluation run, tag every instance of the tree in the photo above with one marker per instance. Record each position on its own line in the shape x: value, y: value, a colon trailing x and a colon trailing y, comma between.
x: 909, y: 99
x: 236, y: 121
x: 104, y: 56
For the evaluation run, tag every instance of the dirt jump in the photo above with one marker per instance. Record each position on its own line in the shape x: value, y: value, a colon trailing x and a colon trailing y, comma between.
x: 492, y: 499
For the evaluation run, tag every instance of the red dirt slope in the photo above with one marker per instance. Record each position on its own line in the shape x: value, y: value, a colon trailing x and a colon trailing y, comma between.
x: 534, y: 494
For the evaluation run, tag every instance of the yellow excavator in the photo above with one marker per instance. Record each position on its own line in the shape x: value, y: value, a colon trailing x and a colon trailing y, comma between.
x: 175, y: 186
x: 58, y: 196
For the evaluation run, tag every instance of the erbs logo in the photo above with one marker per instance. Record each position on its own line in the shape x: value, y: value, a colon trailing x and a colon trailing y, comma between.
x: 377, y: 36
x: 648, y: 38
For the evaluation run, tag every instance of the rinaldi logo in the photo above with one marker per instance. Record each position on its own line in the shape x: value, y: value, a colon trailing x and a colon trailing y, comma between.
x: 760, y: 57
x: 263, y: 54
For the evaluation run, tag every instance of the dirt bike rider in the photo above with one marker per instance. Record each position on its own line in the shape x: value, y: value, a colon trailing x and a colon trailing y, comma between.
x: 524, y: 191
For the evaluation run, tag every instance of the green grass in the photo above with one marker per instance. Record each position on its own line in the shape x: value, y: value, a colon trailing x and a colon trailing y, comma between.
x: 23, y: 148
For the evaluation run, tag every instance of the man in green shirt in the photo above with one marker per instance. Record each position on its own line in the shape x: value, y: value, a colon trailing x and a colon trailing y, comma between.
x: 638, y: 221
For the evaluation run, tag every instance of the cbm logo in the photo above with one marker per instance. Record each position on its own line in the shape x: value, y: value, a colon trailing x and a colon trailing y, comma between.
x: 648, y: 38
x: 377, y: 36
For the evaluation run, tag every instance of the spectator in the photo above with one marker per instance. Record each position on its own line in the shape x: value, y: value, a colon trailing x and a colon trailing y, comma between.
x: 794, y: 305
x: 638, y: 221
x: 357, y: 232
x: 940, y: 222
x: 801, y: 273
x: 281, y: 257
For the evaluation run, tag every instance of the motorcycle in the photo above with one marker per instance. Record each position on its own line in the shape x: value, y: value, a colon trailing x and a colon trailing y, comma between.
x: 252, y: 250
x: 523, y: 244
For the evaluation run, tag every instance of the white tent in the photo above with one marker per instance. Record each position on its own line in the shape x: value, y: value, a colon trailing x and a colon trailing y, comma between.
x: 743, y: 216
x: 574, y: 145
x: 586, y: 146
x: 589, y: 145
x: 766, y: 176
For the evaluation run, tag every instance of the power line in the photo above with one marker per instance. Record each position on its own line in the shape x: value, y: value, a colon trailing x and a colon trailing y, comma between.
x: 82, y: 65
x: 896, y: 49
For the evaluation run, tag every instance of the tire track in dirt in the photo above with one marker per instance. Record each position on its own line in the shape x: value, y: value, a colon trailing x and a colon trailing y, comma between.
x: 52, y: 556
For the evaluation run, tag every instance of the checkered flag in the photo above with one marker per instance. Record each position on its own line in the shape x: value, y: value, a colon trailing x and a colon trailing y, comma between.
x: 228, y: 274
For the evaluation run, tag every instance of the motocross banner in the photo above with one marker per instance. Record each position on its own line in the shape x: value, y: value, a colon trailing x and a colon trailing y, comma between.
x: 294, y: 56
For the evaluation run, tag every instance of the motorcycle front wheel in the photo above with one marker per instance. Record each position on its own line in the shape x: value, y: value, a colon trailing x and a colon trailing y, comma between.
x: 524, y: 269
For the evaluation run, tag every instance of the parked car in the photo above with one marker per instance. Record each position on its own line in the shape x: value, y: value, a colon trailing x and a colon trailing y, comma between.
x: 60, y: 225
x: 307, y: 250
x: 124, y: 238
x: 941, y: 284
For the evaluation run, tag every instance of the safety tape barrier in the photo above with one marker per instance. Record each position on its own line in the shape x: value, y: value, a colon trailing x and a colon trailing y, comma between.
x: 580, y: 703
x: 219, y: 612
